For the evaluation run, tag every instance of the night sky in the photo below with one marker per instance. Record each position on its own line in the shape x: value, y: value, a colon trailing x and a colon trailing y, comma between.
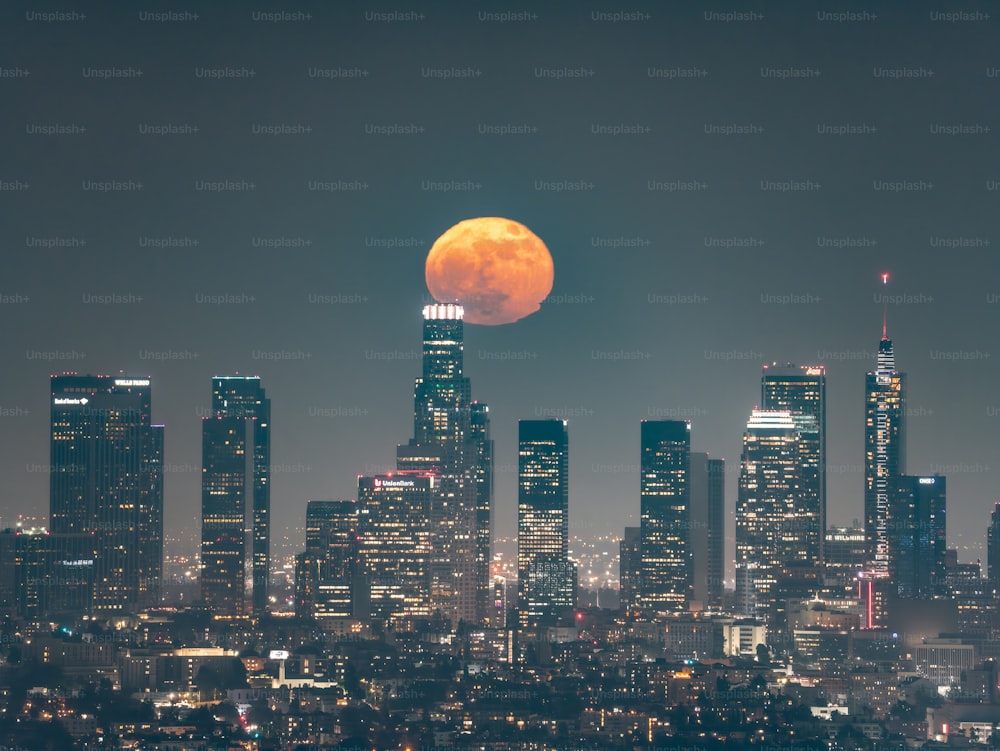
x: 704, y: 225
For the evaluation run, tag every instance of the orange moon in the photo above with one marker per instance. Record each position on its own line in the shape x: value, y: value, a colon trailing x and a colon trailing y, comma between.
x: 496, y: 268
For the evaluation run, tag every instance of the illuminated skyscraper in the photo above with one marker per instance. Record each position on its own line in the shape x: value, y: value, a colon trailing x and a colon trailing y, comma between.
x: 329, y: 579
x: 917, y: 536
x: 482, y: 468
x: 226, y: 449
x: 769, y: 532
x: 151, y: 522
x: 451, y: 439
x: 396, y: 542
x: 885, y: 459
x: 106, y: 493
x: 546, y: 577
x: 665, y: 525
x: 442, y: 393
x: 236, y: 496
x: 801, y: 390
x: 885, y: 447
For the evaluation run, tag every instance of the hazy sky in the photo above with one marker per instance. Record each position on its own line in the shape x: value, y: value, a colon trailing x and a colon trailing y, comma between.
x: 717, y: 191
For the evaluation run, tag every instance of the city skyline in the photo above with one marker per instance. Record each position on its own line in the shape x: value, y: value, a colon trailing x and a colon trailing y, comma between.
x: 447, y: 375
x: 736, y: 231
x: 770, y: 373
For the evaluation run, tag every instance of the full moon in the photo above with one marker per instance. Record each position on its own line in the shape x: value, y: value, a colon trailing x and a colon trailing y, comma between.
x: 496, y: 268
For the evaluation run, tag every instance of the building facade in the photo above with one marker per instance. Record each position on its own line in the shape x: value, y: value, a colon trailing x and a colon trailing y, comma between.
x: 665, y: 506
x: 106, y: 492
x: 396, y: 542
x: 993, y: 550
x: 236, y: 497
x: 707, y: 525
x: 917, y: 536
x: 801, y: 390
x: 546, y: 576
x: 329, y: 582
x: 629, y: 569
x: 482, y: 473
x: 885, y: 450
x: 770, y: 533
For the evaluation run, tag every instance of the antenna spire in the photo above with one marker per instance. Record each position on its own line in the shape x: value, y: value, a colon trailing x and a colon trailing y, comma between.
x: 885, y: 302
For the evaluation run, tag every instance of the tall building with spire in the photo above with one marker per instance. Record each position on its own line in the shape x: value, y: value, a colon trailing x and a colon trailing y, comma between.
x: 236, y: 496
x: 885, y: 460
x: 106, y: 494
x: 451, y: 439
x: 801, y: 390
x: 885, y: 447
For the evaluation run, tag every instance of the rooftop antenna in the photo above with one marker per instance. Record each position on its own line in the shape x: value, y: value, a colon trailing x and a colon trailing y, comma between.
x: 885, y: 302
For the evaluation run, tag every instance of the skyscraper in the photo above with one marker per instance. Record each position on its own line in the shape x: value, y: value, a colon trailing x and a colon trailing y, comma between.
x: 769, y: 532
x: 993, y: 550
x: 665, y: 507
x: 546, y: 577
x: 236, y: 496
x: 708, y: 520
x: 106, y: 491
x: 151, y: 522
x: 801, y: 390
x: 482, y: 468
x: 396, y: 542
x: 885, y: 448
x: 442, y: 393
x: 885, y: 459
x: 716, y: 530
x: 451, y: 439
x: 629, y: 569
x: 329, y: 574
x: 917, y: 536
x: 44, y: 575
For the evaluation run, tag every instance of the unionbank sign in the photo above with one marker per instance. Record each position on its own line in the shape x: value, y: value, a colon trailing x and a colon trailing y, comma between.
x: 390, y: 483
